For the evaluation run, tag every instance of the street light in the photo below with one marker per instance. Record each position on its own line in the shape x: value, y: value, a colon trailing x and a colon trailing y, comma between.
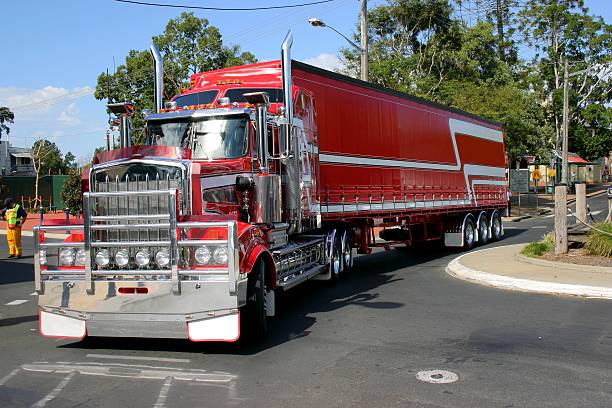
x: 317, y: 22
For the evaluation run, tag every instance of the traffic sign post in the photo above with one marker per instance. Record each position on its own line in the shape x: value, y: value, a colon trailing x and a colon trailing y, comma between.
x: 609, y: 218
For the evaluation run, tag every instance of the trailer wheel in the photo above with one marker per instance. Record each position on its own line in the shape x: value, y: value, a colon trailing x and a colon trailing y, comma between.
x: 469, y: 232
x: 335, y: 257
x: 496, y: 227
x: 347, y: 252
x: 483, y: 230
x: 254, y: 320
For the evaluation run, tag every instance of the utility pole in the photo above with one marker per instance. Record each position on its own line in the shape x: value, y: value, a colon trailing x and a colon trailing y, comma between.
x: 565, y: 122
x: 561, y: 189
x: 500, y: 31
x: 363, y: 17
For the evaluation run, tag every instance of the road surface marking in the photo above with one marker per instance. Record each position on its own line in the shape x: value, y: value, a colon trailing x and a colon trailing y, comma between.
x: 163, y: 393
x: 7, y: 377
x: 510, y: 228
x: 437, y: 376
x: 16, y: 302
x: 549, y: 216
x: 53, y: 394
x: 539, y: 226
x: 141, y: 358
x: 595, y: 212
x: 33, y: 294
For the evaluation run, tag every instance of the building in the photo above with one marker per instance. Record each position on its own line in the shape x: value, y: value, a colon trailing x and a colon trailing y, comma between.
x: 15, y: 161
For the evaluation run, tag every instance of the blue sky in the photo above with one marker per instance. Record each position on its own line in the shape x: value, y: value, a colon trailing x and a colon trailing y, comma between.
x: 57, y: 49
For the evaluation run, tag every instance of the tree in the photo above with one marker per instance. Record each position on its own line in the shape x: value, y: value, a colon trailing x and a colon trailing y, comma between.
x: 189, y: 45
x: 46, y: 159
x: 71, y: 192
x: 6, y: 116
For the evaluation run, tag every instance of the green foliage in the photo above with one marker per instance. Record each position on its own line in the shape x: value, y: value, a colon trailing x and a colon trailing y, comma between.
x: 599, y: 240
x: 71, y: 192
x: 6, y: 116
x: 48, y: 158
x: 189, y: 45
x: 535, y: 249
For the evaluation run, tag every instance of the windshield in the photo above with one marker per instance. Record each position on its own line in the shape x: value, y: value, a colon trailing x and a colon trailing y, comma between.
x: 197, y: 98
x: 215, y: 137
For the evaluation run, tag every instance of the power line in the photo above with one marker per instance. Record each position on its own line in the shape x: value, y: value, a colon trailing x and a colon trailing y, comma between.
x: 285, y: 6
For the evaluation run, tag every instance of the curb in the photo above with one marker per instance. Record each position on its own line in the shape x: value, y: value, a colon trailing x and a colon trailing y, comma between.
x: 456, y: 270
x: 31, y: 234
x: 573, y: 267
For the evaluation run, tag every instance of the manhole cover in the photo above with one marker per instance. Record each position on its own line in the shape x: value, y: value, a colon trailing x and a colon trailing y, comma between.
x: 437, y: 376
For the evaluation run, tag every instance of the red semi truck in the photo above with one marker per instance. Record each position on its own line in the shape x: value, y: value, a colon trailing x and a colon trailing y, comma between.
x: 254, y: 180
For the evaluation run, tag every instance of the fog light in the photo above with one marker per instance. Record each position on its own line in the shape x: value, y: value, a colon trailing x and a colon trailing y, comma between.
x: 66, y: 257
x: 143, y: 257
x: 202, y: 255
x: 103, y: 258
x: 162, y: 258
x: 122, y: 257
x: 220, y: 255
x: 42, y: 256
x: 80, y: 257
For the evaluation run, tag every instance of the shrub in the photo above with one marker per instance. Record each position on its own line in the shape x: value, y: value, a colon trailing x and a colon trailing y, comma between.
x: 535, y: 249
x: 599, y: 240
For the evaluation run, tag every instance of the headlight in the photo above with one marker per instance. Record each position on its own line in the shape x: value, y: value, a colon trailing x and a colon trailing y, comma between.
x: 42, y: 256
x: 143, y: 257
x: 122, y: 257
x: 202, y: 255
x: 66, y: 257
x: 103, y: 258
x: 162, y: 258
x: 80, y: 257
x: 220, y: 255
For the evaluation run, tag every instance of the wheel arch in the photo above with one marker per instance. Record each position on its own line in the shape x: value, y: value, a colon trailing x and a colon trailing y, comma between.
x: 261, y: 253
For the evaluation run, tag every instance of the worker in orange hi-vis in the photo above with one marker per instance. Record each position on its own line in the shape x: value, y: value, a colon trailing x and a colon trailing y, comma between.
x: 15, y: 216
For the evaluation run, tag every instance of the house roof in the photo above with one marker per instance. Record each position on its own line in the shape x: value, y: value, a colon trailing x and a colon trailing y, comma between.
x: 21, y: 154
x: 572, y: 158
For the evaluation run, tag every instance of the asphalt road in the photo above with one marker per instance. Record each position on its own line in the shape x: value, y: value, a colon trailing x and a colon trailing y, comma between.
x: 359, y: 343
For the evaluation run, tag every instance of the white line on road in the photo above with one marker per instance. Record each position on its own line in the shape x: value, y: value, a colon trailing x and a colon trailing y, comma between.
x: 539, y: 226
x: 140, y: 358
x: 510, y: 228
x: 16, y: 302
x: 596, y: 212
x: 7, y: 377
x: 163, y: 393
x: 53, y: 394
x: 33, y: 294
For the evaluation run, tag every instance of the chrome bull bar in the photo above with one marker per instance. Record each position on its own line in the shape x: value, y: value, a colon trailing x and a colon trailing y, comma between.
x: 91, y: 223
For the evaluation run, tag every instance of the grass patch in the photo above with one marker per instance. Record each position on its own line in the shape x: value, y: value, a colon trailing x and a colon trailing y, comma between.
x: 535, y: 249
x: 599, y: 240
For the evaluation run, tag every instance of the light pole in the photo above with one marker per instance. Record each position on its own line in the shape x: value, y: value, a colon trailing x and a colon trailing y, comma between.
x: 316, y: 22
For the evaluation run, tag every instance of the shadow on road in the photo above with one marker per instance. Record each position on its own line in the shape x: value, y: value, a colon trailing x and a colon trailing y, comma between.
x: 297, y: 308
x: 11, y: 321
x: 15, y: 271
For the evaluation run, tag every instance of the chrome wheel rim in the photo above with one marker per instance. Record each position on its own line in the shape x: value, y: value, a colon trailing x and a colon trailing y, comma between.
x: 469, y: 234
x: 483, y: 230
x: 496, y: 226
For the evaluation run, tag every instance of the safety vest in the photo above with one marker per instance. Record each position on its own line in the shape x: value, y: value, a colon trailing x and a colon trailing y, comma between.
x: 11, y: 215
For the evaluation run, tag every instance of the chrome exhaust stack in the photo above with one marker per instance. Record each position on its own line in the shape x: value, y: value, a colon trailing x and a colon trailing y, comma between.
x: 158, y: 65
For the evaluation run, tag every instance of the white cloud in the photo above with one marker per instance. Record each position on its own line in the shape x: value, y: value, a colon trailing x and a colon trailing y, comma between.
x: 29, y: 100
x: 70, y: 115
x: 325, y: 61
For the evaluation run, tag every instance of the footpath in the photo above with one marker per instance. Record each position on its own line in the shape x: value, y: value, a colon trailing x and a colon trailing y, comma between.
x: 505, y: 268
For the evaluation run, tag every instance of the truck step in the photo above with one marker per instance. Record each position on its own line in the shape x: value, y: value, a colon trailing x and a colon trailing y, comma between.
x: 295, y: 279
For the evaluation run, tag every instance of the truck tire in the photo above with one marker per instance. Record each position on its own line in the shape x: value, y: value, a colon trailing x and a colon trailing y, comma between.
x: 253, y: 319
x: 347, y: 252
x: 335, y: 259
x: 483, y: 230
x: 469, y: 233
x: 496, y: 227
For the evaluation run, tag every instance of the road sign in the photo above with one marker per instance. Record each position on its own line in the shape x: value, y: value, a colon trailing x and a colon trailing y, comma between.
x: 535, y: 175
x: 519, y: 181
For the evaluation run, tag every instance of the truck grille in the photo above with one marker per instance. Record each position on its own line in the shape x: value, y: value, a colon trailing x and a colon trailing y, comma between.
x: 135, y: 177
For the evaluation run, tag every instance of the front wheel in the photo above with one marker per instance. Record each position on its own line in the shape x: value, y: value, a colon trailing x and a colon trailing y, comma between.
x: 254, y: 319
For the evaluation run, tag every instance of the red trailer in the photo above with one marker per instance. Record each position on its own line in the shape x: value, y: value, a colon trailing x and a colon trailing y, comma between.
x: 253, y: 181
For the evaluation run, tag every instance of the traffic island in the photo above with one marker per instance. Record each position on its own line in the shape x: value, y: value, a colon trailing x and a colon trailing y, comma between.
x: 504, y: 268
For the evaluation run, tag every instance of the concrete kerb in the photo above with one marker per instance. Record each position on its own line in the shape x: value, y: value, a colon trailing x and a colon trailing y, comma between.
x: 457, y: 270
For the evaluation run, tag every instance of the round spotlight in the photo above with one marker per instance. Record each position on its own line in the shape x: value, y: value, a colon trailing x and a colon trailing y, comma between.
x: 103, y: 258
x: 202, y: 255
x: 66, y: 257
x: 80, y: 257
x: 143, y: 257
x: 220, y: 255
x: 162, y: 258
x: 122, y: 257
x: 42, y: 256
